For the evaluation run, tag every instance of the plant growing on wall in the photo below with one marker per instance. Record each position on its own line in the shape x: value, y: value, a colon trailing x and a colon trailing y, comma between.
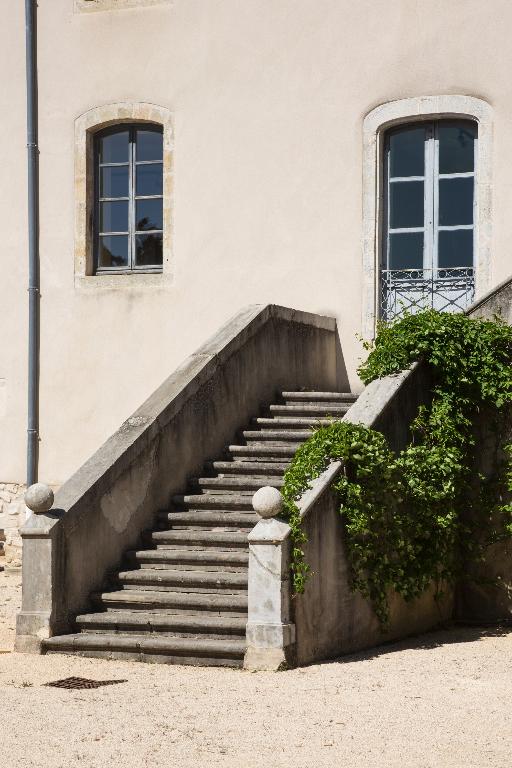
x: 417, y: 517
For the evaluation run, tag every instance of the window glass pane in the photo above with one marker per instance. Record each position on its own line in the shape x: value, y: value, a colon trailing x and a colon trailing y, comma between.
x: 406, y: 204
x: 114, y: 147
x: 456, y: 147
x: 114, y: 181
x: 456, y: 248
x: 149, y: 145
x: 455, y: 202
x: 113, y: 251
x: 149, y: 250
x: 114, y: 216
x: 149, y: 214
x: 407, y: 151
x: 406, y: 250
x: 149, y: 179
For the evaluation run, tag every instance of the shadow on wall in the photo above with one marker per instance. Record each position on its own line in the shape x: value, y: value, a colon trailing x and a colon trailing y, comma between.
x: 342, y: 379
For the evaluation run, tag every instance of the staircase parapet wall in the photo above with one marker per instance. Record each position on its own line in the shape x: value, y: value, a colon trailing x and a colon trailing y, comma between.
x: 391, y: 404
x: 486, y: 597
x: 101, y: 511
x: 329, y: 619
x: 271, y: 632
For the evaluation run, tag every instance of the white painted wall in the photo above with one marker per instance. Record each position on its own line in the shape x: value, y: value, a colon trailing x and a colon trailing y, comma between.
x: 268, y: 98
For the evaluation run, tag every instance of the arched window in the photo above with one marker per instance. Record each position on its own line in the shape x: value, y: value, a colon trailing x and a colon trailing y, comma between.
x: 428, y: 238
x: 128, y: 218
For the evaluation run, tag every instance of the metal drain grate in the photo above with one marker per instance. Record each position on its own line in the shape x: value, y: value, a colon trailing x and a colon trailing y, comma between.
x: 79, y: 683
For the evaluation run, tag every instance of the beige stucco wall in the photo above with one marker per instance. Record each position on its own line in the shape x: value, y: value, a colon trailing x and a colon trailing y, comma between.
x: 268, y: 99
x: 13, y: 259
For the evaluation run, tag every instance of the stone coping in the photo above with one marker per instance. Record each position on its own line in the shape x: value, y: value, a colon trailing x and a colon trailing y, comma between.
x: 122, y: 449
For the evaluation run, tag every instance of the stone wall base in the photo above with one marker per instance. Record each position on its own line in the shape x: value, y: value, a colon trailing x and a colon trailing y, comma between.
x: 12, y: 517
x: 268, y: 660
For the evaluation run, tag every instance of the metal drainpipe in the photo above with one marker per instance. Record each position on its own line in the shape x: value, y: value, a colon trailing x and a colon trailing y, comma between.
x: 33, y: 242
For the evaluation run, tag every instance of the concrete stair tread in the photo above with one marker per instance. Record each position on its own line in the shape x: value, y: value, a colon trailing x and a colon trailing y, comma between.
x: 176, y: 556
x: 147, y: 642
x: 289, y: 422
x: 226, y: 538
x: 227, y: 501
x: 210, y: 517
x: 262, y: 468
x: 341, y: 396
x: 146, y: 598
x: 162, y: 622
x: 272, y: 449
x: 308, y: 410
x: 236, y: 483
x: 183, y: 578
x: 277, y: 435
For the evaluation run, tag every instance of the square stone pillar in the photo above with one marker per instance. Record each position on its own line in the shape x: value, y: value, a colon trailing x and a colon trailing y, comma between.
x: 41, y: 581
x: 270, y: 631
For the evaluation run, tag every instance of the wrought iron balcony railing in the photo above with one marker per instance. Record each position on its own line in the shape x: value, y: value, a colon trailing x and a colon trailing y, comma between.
x: 411, y: 290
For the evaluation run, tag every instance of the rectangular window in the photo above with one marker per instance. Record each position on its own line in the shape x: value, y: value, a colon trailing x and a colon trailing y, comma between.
x: 129, y: 199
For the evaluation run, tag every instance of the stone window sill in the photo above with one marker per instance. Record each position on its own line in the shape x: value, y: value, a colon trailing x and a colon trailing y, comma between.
x: 86, y: 6
x: 123, y: 282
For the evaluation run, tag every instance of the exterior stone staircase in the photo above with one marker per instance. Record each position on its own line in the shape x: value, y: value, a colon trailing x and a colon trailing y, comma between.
x: 182, y: 597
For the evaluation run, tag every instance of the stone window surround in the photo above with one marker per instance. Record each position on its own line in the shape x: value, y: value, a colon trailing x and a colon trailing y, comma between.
x: 375, y: 125
x: 90, y: 6
x: 86, y: 126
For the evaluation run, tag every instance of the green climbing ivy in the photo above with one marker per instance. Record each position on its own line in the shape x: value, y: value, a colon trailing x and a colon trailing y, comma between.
x: 417, y: 517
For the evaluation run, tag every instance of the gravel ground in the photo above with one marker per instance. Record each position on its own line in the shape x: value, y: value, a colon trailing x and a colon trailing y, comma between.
x: 435, y: 701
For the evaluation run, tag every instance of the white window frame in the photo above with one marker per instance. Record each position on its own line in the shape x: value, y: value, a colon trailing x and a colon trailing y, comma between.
x: 376, y: 123
x: 430, y: 179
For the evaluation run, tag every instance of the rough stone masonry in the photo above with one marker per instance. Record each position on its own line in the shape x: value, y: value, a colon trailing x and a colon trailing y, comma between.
x: 12, y: 517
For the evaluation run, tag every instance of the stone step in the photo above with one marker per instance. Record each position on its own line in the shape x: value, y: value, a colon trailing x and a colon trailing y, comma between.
x: 344, y: 397
x: 325, y: 405
x: 201, y: 538
x: 139, y: 621
x: 204, y: 558
x: 158, y: 599
x: 264, y: 458
x: 210, y: 567
x: 263, y: 468
x: 277, y: 435
x: 291, y: 422
x: 218, y: 501
x: 170, y: 577
x: 259, y: 450
x: 171, y: 650
x: 334, y: 411
x: 242, y: 483
x: 209, y: 518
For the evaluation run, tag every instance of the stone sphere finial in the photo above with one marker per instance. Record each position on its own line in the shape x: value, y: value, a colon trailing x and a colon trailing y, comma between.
x: 267, y: 502
x: 39, y: 498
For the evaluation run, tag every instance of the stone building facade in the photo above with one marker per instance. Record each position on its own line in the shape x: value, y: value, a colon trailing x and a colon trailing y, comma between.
x: 12, y: 517
x: 277, y: 120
